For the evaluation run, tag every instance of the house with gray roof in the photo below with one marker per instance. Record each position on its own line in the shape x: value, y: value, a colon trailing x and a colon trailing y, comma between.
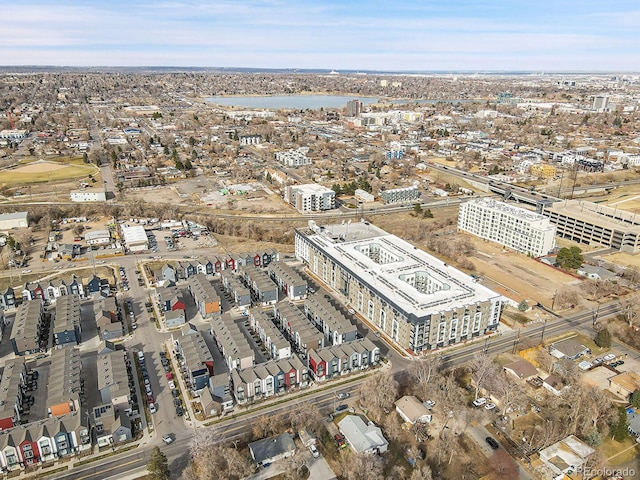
x: 362, y: 437
x: 272, y: 449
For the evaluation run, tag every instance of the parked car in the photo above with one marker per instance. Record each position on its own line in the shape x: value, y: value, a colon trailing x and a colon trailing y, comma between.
x: 492, y: 443
x: 343, y: 395
x: 479, y: 401
x: 152, y: 407
x: 340, y: 441
x: 490, y: 406
x: 172, y: 385
x: 314, y: 451
x: 430, y: 404
x: 169, y: 438
x: 341, y: 408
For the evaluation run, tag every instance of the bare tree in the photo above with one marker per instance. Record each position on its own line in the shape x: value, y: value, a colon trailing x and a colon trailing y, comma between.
x: 210, y: 459
x: 630, y: 306
x: 422, y: 471
x: 483, y: 371
x: 380, y: 390
x: 511, y: 393
x: 503, y: 465
x: 362, y: 466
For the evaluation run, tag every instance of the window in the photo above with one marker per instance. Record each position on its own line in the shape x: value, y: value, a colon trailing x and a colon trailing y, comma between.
x: 360, y: 301
x: 453, y: 329
x: 382, y: 322
x: 394, y: 329
x: 371, y: 311
x: 27, y: 451
x: 442, y: 328
x: 465, y: 326
x: 11, y: 459
x: 476, y: 321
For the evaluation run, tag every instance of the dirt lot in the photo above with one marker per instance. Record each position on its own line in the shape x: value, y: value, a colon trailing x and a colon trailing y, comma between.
x: 517, y: 276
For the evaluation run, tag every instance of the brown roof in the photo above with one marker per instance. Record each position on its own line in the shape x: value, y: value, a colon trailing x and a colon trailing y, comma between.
x: 522, y: 368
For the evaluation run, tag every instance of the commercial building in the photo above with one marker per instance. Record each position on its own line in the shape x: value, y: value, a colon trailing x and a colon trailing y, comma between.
x: 9, y: 221
x: 88, y: 196
x: 513, y: 227
x: 310, y: 197
x: 135, y: 238
x: 400, y: 195
x: 595, y: 224
x: 418, y: 301
x: 97, y: 237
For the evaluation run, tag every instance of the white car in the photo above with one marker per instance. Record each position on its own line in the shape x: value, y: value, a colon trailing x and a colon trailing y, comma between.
x: 314, y: 451
x: 172, y: 385
x: 351, y: 311
x: 608, y: 357
x: 479, y: 401
x: 26, y: 271
x: 490, y: 406
x: 168, y: 438
x: 152, y: 407
x: 430, y: 404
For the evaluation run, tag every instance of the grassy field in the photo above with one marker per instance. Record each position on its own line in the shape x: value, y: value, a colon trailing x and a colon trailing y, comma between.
x: 73, y: 168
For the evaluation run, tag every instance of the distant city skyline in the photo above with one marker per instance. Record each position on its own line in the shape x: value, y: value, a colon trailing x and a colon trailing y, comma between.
x: 404, y: 35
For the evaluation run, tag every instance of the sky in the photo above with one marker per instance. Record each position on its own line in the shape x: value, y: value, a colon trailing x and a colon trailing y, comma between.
x: 389, y: 35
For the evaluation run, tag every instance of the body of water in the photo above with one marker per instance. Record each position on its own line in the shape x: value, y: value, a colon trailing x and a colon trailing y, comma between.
x: 312, y: 102
x: 295, y: 102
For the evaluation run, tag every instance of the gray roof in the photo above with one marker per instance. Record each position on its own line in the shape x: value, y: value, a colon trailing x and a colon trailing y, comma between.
x: 67, y: 313
x: 10, y: 386
x: 112, y: 374
x: 202, y: 290
x: 195, y: 351
x: 65, y: 374
x: 230, y: 337
x: 25, y: 326
x: 361, y: 437
x: 286, y: 274
x: 272, y: 447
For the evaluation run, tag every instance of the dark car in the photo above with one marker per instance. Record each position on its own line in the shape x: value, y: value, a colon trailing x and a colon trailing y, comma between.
x: 179, y: 411
x: 341, y: 408
x: 492, y: 443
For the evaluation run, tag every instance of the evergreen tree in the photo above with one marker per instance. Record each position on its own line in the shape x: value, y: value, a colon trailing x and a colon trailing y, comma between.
x: 158, y: 465
x: 619, y: 430
x: 603, y: 338
x: 635, y: 398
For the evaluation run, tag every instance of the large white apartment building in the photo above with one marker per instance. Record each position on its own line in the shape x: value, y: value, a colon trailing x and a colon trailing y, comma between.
x: 293, y: 158
x: 418, y: 301
x: 513, y: 227
x: 310, y: 197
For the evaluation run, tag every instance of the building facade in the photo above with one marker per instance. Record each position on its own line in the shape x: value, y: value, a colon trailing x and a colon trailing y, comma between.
x: 595, y: 224
x: 419, y: 302
x: 513, y: 227
x: 310, y: 198
x: 400, y: 195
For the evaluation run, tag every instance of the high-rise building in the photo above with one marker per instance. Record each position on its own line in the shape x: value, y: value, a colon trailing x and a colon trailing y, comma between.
x: 310, y: 197
x: 354, y: 108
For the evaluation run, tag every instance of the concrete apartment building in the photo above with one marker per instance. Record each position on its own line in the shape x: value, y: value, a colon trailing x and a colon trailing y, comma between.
x: 418, y: 301
x: 400, y: 195
x: 595, y: 224
x: 513, y: 227
x: 293, y: 158
x: 310, y: 197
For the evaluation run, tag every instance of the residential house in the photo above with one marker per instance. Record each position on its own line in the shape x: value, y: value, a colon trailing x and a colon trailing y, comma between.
x: 7, y: 298
x: 302, y: 334
x: 272, y: 449
x: 634, y: 422
x: 67, y: 329
x: 332, y: 361
x: 238, y: 291
x: 107, y: 320
x: 412, y: 410
x: 113, y: 380
x: 219, y: 391
x: 566, y: 456
x: 288, y: 280
x: 65, y: 382
x: 33, y: 291
x: 554, y: 384
x: 263, y: 290
x: 570, y: 348
x: 521, y: 369
x: 336, y: 327
x: 12, y: 387
x: 273, y: 340
x: 27, y: 326
x: 624, y: 384
x: 195, y: 359
x: 173, y: 306
x: 234, y: 346
x: 205, y: 296
x: 68, y: 251
x: 362, y: 437
x: 98, y: 287
x: 112, y: 426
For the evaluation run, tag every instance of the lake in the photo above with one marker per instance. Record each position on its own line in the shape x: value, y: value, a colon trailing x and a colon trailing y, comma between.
x: 296, y: 102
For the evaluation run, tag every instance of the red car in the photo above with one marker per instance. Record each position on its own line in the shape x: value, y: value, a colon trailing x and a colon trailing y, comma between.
x: 340, y: 441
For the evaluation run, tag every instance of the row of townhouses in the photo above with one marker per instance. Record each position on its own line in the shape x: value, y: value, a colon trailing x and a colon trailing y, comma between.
x: 288, y: 280
x: 336, y: 327
x: 236, y: 289
x: 331, y: 362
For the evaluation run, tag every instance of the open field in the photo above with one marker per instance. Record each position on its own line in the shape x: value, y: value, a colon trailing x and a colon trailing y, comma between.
x: 48, y: 171
x: 625, y: 259
x: 520, y: 277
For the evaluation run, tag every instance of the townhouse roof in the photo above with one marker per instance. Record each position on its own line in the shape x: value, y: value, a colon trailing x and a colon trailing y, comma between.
x: 286, y: 274
x: 271, y: 332
x: 112, y: 373
x: 299, y: 325
x: 65, y: 375
x: 202, y: 290
x: 195, y: 351
x: 27, y: 319
x: 10, y: 386
x: 230, y: 337
x: 322, y: 308
x: 259, y: 279
x: 67, y: 315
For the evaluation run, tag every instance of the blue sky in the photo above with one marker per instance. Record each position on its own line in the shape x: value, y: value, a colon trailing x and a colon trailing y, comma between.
x: 540, y: 35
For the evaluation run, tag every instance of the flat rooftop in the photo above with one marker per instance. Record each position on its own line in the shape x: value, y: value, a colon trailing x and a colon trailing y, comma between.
x: 417, y: 282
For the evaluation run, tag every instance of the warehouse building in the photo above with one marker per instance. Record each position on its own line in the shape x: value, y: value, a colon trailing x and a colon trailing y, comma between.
x: 418, y: 301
